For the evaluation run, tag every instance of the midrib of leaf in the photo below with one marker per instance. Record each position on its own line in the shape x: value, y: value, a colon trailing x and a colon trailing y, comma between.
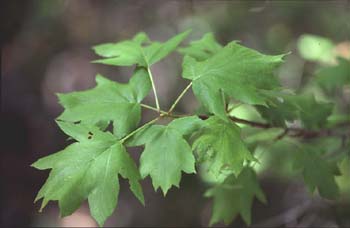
x: 165, y: 155
x: 78, y: 179
x: 123, y: 96
x: 199, y: 76
x: 87, y: 166
x: 107, y: 167
x: 144, y: 56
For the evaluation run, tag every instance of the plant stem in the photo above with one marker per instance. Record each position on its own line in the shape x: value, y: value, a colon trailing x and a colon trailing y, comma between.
x: 153, y: 108
x: 139, y: 129
x: 288, y: 131
x: 179, y: 97
x: 153, y: 87
x: 164, y: 113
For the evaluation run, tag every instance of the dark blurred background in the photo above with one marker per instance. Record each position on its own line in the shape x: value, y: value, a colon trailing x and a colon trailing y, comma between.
x: 46, y: 49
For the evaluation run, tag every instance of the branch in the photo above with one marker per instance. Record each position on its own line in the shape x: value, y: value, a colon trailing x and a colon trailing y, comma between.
x: 242, y: 121
x: 290, y: 131
x: 296, y: 132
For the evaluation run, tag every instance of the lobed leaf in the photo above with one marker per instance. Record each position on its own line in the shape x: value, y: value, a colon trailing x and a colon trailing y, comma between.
x: 202, y: 49
x: 108, y: 101
x: 336, y: 77
x: 219, y: 143
x: 235, y: 197
x: 318, y: 173
x: 288, y: 107
x: 140, y: 50
x: 236, y: 71
x: 88, y: 169
x: 166, y: 152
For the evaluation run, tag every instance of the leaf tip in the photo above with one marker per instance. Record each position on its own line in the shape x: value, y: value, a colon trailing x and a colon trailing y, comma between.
x: 33, y: 166
x: 100, y: 222
x: 59, y: 95
x: 187, y: 32
x: 96, y: 61
x: 165, y: 192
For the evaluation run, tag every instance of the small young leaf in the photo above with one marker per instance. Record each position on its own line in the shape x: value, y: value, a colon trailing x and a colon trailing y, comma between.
x: 235, y: 196
x: 219, y: 143
x: 88, y: 169
x: 108, y: 101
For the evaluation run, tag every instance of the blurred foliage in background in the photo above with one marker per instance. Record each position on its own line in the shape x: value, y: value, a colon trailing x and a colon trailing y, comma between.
x: 45, y: 49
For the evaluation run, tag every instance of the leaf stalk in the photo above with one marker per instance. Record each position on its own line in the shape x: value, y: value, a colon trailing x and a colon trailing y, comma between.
x: 139, y: 129
x: 153, y: 87
x: 179, y: 97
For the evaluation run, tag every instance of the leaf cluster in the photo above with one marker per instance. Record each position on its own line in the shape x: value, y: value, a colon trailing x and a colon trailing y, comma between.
x: 220, y: 77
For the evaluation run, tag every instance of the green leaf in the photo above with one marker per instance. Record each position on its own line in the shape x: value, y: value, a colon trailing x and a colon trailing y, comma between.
x: 279, y: 110
x: 166, y: 152
x: 307, y: 106
x: 317, y: 171
x: 235, y: 196
x: 263, y: 135
x: 316, y: 48
x: 288, y: 107
x: 237, y: 71
x: 334, y: 77
x: 140, y: 50
x: 186, y: 125
x: 219, y: 143
x: 202, y: 49
x: 108, y: 101
x: 88, y: 169
x: 337, y: 119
